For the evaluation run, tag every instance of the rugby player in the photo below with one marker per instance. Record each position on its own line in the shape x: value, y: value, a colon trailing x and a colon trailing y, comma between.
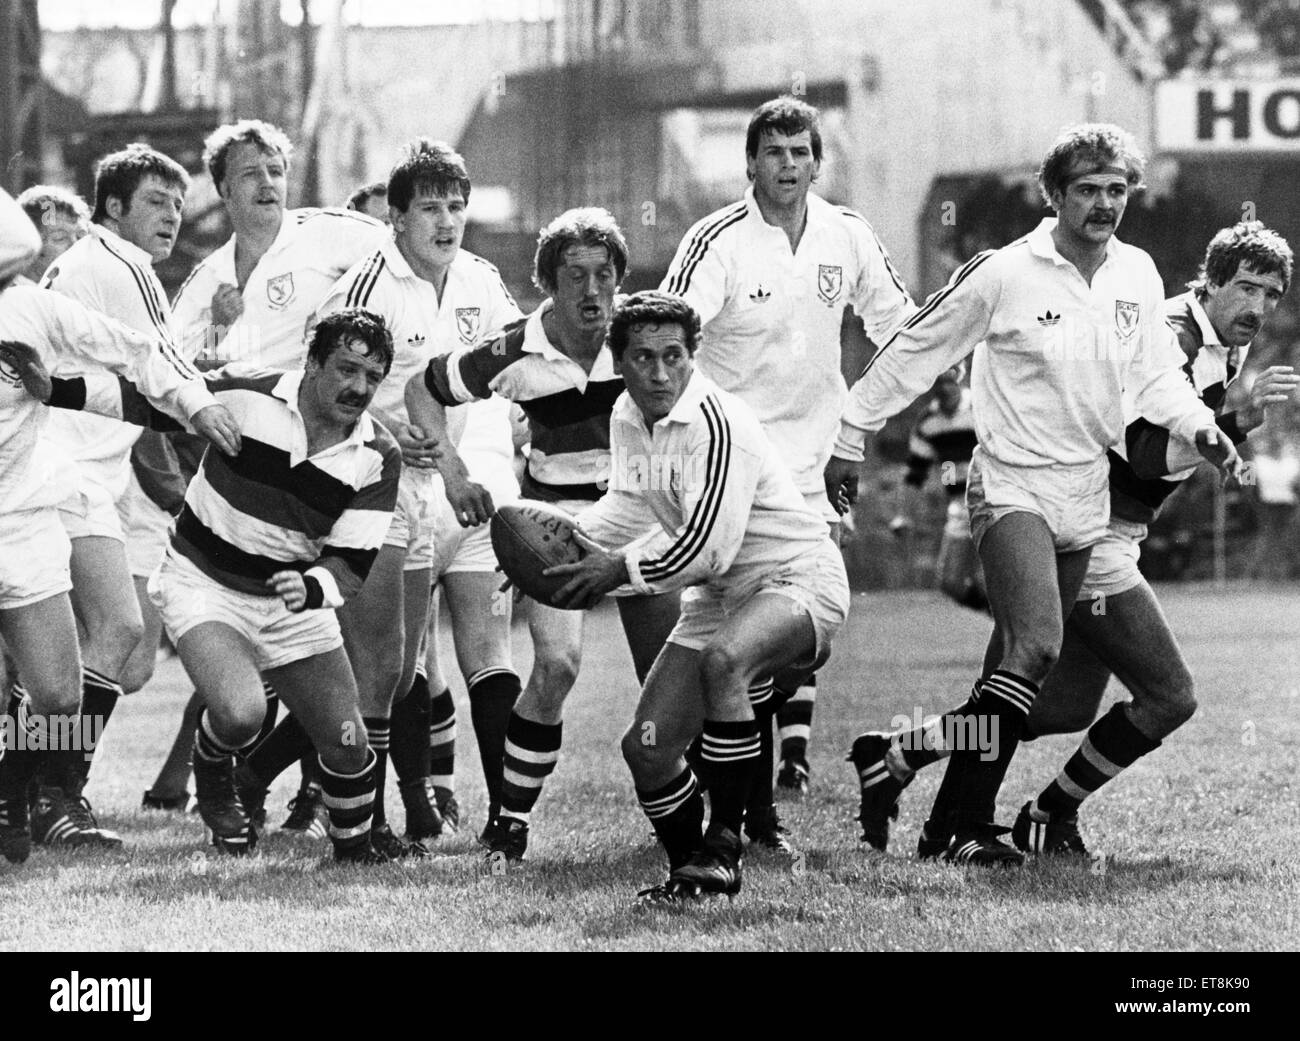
x: 1116, y: 626
x: 945, y: 434
x: 434, y: 297
x: 556, y: 365
x: 770, y: 277
x: 1062, y: 322
x: 247, y: 308
x: 62, y: 218
x: 372, y: 200
x: 117, y: 533
x: 44, y: 329
x: 267, y: 545
x: 767, y: 588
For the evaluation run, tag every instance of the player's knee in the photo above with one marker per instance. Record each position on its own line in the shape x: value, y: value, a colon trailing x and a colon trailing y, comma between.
x: 719, y: 667
x: 344, y: 758
x: 236, y: 725
x: 1175, y: 701
x: 638, y: 753
x: 556, y: 673
x: 138, y: 672
x: 54, y: 695
x: 118, y: 636
x: 1033, y: 656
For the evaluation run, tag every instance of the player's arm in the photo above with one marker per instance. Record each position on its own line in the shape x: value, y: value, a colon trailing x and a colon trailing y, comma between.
x: 717, y: 496
x: 879, y: 297
x: 115, y: 397
x: 936, y: 338
x: 340, y: 571
x: 453, y: 379
x: 1164, y: 395
x: 698, y: 273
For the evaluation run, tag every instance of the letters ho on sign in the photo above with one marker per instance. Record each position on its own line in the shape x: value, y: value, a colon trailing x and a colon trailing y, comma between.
x: 1228, y: 115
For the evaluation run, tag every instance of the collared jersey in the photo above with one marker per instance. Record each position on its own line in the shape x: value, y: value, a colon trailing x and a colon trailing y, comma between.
x: 1052, y: 355
x: 273, y: 507
x: 1212, y: 367
x: 771, y: 317
x: 475, y: 307
x: 33, y: 472
x: 948, y: 440
x: 725, y: 501
x: 106, y: 273
x: 313, y: 250
x: 568, y: 408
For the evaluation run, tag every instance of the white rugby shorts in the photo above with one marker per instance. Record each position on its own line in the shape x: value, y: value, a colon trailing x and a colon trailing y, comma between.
x: 147, y: 529
x: 1113, y: 566
x: 814, y: 580
x: 186, y: 597
x: 34, y: 555
x: 91, y: 511
x: 1073, y: 501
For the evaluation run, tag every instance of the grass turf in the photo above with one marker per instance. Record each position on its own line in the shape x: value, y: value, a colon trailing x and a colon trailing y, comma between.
x: 1201, y: 838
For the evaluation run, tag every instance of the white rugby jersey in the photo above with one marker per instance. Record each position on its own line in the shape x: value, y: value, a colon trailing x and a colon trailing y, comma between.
x: 105, y: 273
x: 1053, y: 355
x: 19, y: 239
x: 33, y: 473
x: 771, y: 317
x: 313, y: 249
x: 726, y: 503
x: 475, y: 305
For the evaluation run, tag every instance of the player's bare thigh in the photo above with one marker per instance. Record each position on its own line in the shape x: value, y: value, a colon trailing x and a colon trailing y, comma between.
x: 321, y: 693
x: 42, y: 640
x: 373, y: 632
x: 222, y: 665
x: 647, y: 621
x: 1132, y: 637
x: 103, y: 597
x: 1030, y: 589
x: 480, y: 620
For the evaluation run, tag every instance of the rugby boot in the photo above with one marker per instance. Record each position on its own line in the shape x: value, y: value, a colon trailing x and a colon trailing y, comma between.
x: 1052, y: 837
x: 879, y: 788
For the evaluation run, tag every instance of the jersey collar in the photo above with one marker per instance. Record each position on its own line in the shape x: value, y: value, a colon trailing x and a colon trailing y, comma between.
x: 1209, y: 335
x: 1042, y: 245
x: 115, y: 241
x: 697, y: 388
x: 286, y: 389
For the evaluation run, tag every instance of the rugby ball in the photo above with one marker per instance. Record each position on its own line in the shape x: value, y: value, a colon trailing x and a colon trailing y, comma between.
x: 528, y: 537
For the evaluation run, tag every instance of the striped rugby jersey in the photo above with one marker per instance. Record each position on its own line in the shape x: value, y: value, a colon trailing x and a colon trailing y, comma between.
x: 1053, y: 355
x: 108, y: 274
x: 274, y: 508
x: 33, y: 472
x: 727, y: 506
x: 941, y: 438
x: 771, y: 317
x: 568, y: 409
x: 1212, y: 368
x: 313, y: 250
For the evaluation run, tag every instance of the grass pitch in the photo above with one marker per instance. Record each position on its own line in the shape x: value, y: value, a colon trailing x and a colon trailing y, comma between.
x: 1202, y: 837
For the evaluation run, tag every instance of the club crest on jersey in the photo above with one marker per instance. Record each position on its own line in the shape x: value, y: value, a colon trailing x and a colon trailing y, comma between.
x: 279, y: 290
x: 1126, y: 318
x: 468, y: 322
x: 830, y: 280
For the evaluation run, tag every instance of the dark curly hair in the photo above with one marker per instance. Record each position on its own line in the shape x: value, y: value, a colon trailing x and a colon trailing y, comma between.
x: 354, y: 323
x: 651, y: 307
x: 1247, y: 242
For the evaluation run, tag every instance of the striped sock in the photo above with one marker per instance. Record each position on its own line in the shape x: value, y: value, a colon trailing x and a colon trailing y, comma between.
x: 19, y: 766
x: 984, y: 752
x: 729, y: 751
x: 492, y: 696
x: 1111, y: 745
x: 410, y: 734
x: 377, y: 734
x: 442, y: 741
x: 350, y: 802
x: 676, y: 813
x: 928, y: 743
x: 794, y: 721
x: 531, y: 754
x: 68, y: 768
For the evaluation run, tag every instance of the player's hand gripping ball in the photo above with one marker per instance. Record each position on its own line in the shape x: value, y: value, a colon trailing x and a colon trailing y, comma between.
x: 528, y: 537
